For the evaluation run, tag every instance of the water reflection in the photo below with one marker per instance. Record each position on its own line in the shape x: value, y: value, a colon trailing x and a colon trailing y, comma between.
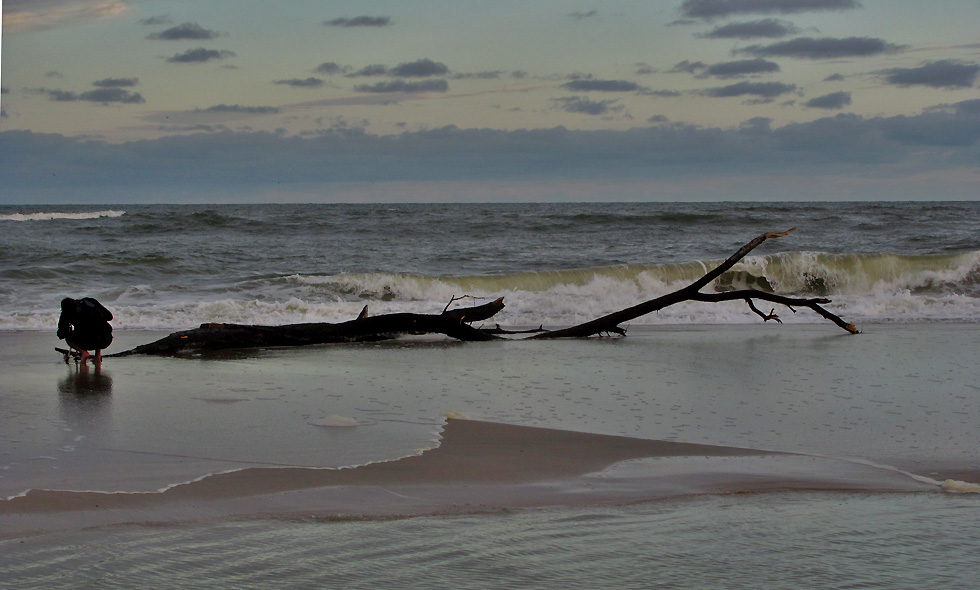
x: 82, y: 385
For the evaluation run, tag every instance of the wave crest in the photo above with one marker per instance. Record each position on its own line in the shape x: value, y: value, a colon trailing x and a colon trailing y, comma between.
x: 48, y: 216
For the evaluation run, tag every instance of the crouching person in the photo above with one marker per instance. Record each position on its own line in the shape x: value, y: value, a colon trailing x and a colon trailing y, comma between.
x: 84, y: 325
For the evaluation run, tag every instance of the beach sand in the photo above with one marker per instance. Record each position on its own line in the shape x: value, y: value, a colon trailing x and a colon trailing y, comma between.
x: 360, y: 430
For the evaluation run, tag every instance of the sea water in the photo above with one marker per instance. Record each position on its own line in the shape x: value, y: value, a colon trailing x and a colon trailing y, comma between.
x: 903, y: 394
x: 169, y: 267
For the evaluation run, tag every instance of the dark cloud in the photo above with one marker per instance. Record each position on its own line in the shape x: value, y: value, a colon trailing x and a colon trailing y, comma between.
x: 643, y: 69
x: 968, y: 107
x: 575, y: 104
x: 602, y: 86
x: 330, y: 68
x: 937, y: 74
x: 4, y: 90
x: 687, y: 67
x: 162, y: 19
x: 53, y: 74
x: 742, y: 67
x: 237, y: 108
x: 823, y: 48
x: 710, y: 9
x: 116, y: 82
x: 767, y: 28
x: 932, y: 130
x: 200, y: 55
x: 185, y: 31
x: 661, y: 93
x: 359, y: 21
x: 657, y: 119
x: 372, y: 70
x: 582, y: 15
x: 833, y: 101
x: 834, y: 78
x: 422, y: 68
x: 402, y: 86
x: 763, y: 89
x: 828, y: 151
x: 301, y: 83
x: 99, y: 95
x: 495, y: 75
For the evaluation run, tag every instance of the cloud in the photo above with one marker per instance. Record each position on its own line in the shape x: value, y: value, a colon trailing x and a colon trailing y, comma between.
x: 763, y: 89
x: 937, y: 74
x: 838, y: 148
x: 575, y: 104
x: 372, y: 70
x: 116, y: 82
x: 200, y: 55
x: 99, y: 95
x: 494, y: 75
x: 822, y: 48
x: 742, y: 67
x: 711, y: 9
x: 4, y: 90
x: 300, y: 83
x: 359, y: 21
x: 602, y: 86
x: 834, y: 78
x: 237, y: 108
x: 834, y: 100
x: 162, y: 19
x: 769, y: 27
x: 583, y: 15
x: 330, y: 68
x: 877, y: 154
x: 402, y: 86
x: 661, y: 93
x: 688, y: 67
x: 185, y: 31
x: 422, y: 68
x: 53, y: 74
x: 932, y: 130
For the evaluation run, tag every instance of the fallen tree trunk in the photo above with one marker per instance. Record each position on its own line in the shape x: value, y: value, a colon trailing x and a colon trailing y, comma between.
x: 455, y: 323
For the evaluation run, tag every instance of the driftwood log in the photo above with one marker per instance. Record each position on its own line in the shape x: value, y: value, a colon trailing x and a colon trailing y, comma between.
x: 456, y: 323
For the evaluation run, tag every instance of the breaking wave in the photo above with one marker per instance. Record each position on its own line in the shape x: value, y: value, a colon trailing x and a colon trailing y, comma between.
x: 47, y: 216
x: 863, y: 288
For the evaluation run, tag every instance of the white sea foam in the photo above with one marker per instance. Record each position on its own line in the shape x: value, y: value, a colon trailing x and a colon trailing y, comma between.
x: 47, y: 216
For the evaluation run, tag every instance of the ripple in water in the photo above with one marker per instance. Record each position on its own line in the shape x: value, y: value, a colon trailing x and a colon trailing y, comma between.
x: 769, y: 540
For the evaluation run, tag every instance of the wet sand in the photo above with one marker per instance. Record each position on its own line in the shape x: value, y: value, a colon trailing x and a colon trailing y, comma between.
x: 357, y: 431
x: 478, y: 466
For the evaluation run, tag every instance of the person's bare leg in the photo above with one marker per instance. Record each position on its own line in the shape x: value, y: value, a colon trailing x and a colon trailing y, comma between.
x: 98, y: 358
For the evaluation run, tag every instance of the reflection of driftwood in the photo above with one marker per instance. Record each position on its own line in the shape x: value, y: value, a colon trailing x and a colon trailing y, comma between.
x: 455, y: 323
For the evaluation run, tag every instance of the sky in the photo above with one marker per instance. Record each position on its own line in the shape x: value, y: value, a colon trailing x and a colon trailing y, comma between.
x: 172, y: 101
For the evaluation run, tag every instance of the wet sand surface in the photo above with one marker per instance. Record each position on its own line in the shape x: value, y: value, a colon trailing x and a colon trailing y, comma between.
x: 659, y: 413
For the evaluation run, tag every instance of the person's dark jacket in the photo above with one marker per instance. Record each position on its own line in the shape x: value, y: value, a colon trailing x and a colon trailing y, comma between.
x: 84, y: 323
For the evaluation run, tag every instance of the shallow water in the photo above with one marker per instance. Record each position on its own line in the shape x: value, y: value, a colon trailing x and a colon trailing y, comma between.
x: 799, y: 540
x: 899, y: 395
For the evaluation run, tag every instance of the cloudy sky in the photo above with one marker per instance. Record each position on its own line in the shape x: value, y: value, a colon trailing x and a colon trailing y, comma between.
x: 453, y: 100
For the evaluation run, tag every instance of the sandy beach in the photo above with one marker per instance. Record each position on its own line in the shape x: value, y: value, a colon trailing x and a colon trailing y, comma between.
x: 363, y: 429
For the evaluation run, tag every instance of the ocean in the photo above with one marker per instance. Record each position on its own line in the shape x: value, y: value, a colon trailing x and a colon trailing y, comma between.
x: 878, y: 489
x: 169, y: 267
